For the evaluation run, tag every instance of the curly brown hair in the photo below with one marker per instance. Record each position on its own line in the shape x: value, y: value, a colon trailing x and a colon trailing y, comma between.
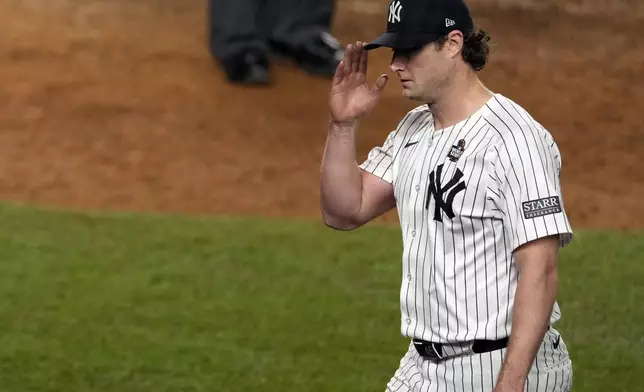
x: 475, y: 48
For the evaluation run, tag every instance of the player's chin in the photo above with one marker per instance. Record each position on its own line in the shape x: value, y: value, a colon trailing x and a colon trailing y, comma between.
x: 411, y: 94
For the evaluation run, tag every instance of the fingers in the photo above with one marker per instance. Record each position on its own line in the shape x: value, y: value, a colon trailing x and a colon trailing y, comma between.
x: 364, y: 57
x: 356, y: 56
x: 380, y: 84
x: 354, y: 65
x: 339, y: 74
x: 348, y: 59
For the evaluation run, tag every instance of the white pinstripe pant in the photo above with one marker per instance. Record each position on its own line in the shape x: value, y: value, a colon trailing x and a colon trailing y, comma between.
x: 551, y: 371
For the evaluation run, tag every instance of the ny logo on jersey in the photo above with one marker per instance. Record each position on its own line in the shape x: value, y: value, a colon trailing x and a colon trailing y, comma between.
x: 394, y: 11
x: 452, y: 188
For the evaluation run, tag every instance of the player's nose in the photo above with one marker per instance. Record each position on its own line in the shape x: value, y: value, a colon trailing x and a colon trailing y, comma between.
x: 398, y: 63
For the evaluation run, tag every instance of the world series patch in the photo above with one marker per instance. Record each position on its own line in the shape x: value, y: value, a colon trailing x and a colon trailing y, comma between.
x: 456, y: 151
x: 541, y: 207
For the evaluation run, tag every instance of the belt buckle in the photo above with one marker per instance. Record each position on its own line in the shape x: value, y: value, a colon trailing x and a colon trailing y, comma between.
x: 428, y: 350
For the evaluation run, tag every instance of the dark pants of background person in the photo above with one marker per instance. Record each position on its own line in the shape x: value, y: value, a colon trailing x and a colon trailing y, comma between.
x: 242, y: 26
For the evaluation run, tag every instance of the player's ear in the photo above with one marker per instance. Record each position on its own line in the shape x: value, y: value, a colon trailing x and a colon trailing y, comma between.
x: 454, y: 43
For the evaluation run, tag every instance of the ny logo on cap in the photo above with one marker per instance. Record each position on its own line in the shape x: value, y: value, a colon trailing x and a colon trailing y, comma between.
x: 394, y: 11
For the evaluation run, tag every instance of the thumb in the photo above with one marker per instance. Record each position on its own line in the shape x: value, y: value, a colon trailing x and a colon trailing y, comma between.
x: 380, y: 84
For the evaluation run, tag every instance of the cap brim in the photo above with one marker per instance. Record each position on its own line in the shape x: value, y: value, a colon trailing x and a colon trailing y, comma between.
x: 387, y: 40
x: 402, y: 41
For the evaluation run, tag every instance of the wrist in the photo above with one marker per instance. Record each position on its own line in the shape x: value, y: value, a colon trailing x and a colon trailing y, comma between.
x: 511, y: 379
x: 343, y: 126
x: 514, y: 371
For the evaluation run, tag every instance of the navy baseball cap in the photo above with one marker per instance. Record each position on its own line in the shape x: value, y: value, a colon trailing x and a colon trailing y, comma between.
x: 414, y: 23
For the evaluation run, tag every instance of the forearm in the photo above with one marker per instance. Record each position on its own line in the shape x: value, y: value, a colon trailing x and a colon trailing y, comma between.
x: 534, y: 300
x: 341, y: 181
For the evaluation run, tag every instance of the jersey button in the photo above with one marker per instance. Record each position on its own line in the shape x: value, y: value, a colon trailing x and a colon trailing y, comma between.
x: 417, y: 188
x: 408, y: 321
x: 413, y: 233
x: 409, y: 277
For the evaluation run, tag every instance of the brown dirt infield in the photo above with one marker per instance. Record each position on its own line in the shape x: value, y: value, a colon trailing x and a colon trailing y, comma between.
x: 110, y: 105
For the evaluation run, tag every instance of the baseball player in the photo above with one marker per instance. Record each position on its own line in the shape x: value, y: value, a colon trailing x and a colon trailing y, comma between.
x: 476, y: 183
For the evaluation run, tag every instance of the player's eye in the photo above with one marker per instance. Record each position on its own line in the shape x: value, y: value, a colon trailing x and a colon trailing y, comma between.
x: 407, y: 53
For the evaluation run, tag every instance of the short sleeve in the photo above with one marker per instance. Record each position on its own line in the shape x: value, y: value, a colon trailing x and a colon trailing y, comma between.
x: 528, y: 166
x: 379, y: 162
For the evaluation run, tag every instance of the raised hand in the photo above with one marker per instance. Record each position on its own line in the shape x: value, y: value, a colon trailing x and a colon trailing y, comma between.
x: 351, y: 96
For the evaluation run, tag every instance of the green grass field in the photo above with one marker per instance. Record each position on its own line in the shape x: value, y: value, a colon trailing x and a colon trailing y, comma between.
x: 115, y: 302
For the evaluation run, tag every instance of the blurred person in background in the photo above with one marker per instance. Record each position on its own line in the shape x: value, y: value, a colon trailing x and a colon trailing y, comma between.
x: 245, y: 34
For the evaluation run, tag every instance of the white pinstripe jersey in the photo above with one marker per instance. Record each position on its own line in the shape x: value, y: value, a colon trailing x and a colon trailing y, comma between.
x: 461, y: 218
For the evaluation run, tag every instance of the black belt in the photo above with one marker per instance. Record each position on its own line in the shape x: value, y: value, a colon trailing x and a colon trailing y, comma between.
x: 435, y: 351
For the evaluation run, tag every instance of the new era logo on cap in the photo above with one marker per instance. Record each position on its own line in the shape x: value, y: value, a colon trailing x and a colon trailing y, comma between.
x: 449, y: 22
x: 394, y: 11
